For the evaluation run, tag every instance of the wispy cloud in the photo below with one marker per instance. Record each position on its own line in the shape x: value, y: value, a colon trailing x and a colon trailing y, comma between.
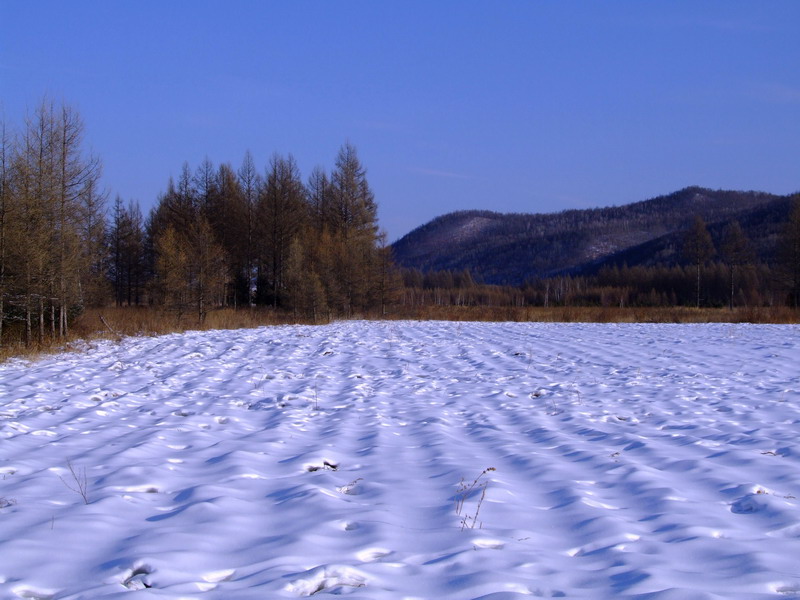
x: 437, y: 173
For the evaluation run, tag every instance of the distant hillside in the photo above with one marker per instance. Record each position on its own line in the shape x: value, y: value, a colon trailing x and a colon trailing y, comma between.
x: 510, y: 248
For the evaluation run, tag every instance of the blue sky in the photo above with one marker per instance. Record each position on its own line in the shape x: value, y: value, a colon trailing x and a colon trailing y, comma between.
x: 518, y: 106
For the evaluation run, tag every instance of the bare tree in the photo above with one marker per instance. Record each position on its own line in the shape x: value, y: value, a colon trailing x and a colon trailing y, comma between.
x: 789, y: 254
x: 249, y: 182
x: 227, y: 214
x: 172, y: 271
x: 5, y: 206
x: 79, y: 218
x: 30, y: 238
x: 281, y: 213
x: 126, y: 241
x: 353, y: 222
x: 698, y: 249
x: 207, y: 268
x: 736, y: 252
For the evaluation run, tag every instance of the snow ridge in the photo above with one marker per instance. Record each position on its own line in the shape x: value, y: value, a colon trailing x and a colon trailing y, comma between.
x: 629, y: 461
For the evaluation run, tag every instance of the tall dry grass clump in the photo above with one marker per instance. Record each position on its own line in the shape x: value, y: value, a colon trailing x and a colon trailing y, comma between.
x: 118, y: 322
x: 125, y: 321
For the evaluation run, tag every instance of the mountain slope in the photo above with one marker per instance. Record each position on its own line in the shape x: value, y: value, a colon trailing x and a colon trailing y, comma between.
x: 510, y: 248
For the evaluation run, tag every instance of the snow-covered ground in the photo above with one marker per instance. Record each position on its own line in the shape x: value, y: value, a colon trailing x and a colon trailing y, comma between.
x: 631, y: 461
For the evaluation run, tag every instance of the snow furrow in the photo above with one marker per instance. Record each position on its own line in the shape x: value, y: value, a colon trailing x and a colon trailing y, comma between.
x: 628, y: 461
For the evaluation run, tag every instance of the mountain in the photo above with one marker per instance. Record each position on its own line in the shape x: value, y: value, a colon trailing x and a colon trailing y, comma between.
x: 511, y: 248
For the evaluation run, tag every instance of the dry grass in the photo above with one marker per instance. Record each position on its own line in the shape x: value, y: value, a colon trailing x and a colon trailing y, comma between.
x: 114, y: 323
x: 598, y: 314
x: 128, y: 321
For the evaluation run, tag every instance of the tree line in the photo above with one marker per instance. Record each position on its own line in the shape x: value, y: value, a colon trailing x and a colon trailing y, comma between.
x: 218, y: 236
x: 721, y: 272
x: 241, y: 237
x: 510, y: 248
x: 221, y: 236
x: 52, y: 229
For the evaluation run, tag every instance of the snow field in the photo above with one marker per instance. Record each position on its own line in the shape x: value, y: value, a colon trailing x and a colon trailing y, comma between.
x: 631, y: 461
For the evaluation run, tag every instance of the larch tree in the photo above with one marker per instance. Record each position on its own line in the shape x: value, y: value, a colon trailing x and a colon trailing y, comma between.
x: 313, y: 250
x: 94, y: 288
x: 126, y: 242
x: 205, y: 183
x: 172, y: 271
x: 189, y: 259
x: 698, y: 248
x: 281, y: 214
x: 79, y: 218
x: 206, y: 262
x: 353, y: 221
x: 5, y: 215
x: 789, y: 254
x: 116, y: 236
x: 305, y: 295
x: 227, y: 215
x: 134, y: 256
x: 388, y: 280
x: 318, y: 190
x: 31, y: 239
x: 736, y: 252
x: 249, y: 183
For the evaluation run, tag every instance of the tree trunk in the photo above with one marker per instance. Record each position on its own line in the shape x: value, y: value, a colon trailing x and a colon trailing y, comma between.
x: 28, y: 321
x: 698, y: 285
x: 41, y: 319
x: 730, y: 304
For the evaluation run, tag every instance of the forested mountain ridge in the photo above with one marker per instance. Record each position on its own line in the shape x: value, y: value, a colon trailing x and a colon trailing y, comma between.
x: 512, y: 248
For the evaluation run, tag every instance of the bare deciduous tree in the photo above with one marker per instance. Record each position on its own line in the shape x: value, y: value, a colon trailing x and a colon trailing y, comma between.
x: 698, y: 249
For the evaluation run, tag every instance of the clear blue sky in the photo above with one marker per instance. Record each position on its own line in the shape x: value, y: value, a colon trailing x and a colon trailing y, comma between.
x: 518, y: 106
